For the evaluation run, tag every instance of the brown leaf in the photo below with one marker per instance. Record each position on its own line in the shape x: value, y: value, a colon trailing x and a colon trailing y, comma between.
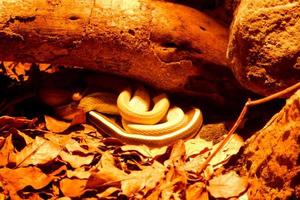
x: 106, y: 193
x: 7, y: 152
x: 58, y: 126
x: 78, y: 173
x: 17, y: 70
x: 72, y: 187
x: 196, y: 146
x: 194, y: 163
x: 7, y: 122
x: 40, y: 151
x: 145, y: 150
x: 55, y: 125
x: 143, y: 180
x: 107, y: 172
x: 107, y: 161
x: 21, y: 177
x: 73, y: 146
x: 3, y: 197
x: 107, y: 176
x: 177, y: 154
x: 231, y: 148
x: 173, y: 185
x: 195, y: 191
x: 77, y: 139
x: 76, y: 161
x: 175, y: 181
x: 227, y: 185
x: 27, y: 139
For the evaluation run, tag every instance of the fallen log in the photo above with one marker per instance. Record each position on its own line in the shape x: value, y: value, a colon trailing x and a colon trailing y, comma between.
x: 168, y: 46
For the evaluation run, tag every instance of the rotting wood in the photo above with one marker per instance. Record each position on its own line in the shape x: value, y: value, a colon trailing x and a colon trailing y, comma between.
x: 166, y: 45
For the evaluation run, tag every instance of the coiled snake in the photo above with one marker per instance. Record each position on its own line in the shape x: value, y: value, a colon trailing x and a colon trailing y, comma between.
x: 146, y: 120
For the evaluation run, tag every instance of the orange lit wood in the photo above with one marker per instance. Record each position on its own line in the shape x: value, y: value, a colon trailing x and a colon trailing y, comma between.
x: 169, y: 46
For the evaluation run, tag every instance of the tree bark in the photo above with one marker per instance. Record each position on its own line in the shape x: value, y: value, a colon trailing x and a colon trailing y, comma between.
x: 271, y: 156
x: 168, y: 46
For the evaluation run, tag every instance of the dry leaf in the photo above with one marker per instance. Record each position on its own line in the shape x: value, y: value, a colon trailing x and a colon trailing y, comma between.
x: 204, y: 196
x: 78, y: 173
x: 26, y: 138
x: 244, y: 196
x: 107, y: 177
x: 145, y: 150
x: 196, y: 146
x: 174, y: 184
x: 177, y: 155
x: 106, y: 193
x: 231, y: 148
x: 107, y: 161
x: 194, y: 163
x: 107, y: 172
x: 55, y: 125
x: 143, y: 180
x: 21, y: 177
x: 195, y: 191
x: 72, y: 187
x: 7, y: 122
x: 227, y: 185
x: 2, y: 196
x: 73, y: 146
x: 76, y: 161
x: 44, y: 66
x: 17, y: 70
x: 58, y: 126
x: 40, y: 151
x: 7, y: 152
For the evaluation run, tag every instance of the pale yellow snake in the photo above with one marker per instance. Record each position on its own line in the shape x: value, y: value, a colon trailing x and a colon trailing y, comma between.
x: 143, y: 121
x: 160, y: 125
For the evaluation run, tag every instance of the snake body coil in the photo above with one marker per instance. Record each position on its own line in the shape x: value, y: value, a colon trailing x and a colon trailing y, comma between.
x: 144, y: 120
x: 158, y: 126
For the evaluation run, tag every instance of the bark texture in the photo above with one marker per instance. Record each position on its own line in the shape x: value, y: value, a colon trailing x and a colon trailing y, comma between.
x: 264, y: 47
x: 166, y: 45
x: 271, y: 156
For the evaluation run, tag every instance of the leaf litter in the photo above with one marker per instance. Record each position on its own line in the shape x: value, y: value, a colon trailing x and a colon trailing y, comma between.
x: 59, y: 159
x: 83, y: 163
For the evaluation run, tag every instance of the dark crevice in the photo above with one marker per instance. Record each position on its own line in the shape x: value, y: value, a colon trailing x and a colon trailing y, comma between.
x: 25, y: 19
x: 74, y: 17
x: 131, y: 32
x: 202, y: 28
x: 20, y: 19
x: 184, y: 46
x: 170, y: 45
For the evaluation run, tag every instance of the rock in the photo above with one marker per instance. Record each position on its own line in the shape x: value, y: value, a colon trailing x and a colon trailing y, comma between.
x: 264, y: 47
x: 271, y: 156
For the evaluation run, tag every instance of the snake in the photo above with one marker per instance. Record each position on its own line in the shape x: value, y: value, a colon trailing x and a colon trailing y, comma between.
x: 192, y: 124
x: 144, y: 119
x: 158, y: 126
x: 160, y: 108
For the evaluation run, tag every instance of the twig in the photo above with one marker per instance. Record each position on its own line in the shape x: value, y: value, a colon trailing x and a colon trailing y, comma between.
x: 244, y: 111
x: 274, y: 96
x: 225, y: 140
